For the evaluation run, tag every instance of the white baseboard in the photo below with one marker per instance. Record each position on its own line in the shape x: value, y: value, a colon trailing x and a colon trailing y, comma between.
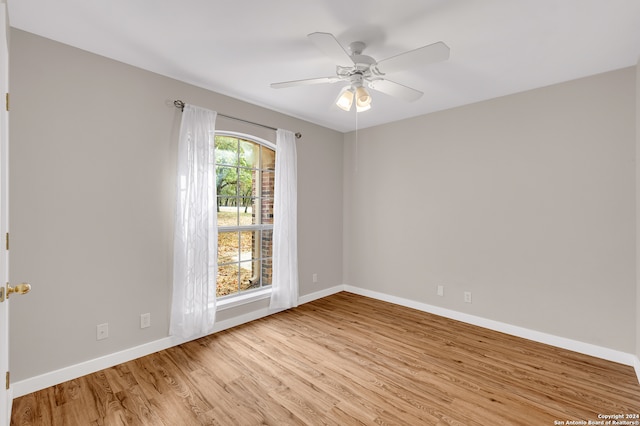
x: 33, y: 384
x: 320, y: 294
x: 52, y: 378
x: 549, y: 339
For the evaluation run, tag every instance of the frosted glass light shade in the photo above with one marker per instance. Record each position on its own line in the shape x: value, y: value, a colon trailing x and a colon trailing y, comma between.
x: 345, y: 99
x: 363, y: 99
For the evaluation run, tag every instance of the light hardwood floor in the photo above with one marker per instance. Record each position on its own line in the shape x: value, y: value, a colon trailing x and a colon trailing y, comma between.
x: 344, y: 360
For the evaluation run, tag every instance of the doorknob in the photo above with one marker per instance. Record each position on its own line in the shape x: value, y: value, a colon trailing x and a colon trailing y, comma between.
x: 19, y: 289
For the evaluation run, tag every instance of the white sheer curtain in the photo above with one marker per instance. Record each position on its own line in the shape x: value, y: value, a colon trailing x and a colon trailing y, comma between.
x: 195, y: 239
x: 284, y: 292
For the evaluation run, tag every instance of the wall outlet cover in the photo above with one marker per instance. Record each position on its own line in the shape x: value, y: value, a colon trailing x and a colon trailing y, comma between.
x: 102, y: 331
x: 145, y: 320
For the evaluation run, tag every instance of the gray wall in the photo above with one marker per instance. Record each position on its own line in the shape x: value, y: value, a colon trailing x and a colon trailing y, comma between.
x: 527, y: 201
x: 93, y: 145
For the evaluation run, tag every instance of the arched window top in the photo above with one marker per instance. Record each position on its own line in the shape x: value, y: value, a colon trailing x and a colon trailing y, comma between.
x: 247, y: 137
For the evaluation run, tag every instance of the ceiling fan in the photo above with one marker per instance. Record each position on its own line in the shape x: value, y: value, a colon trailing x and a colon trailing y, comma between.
x: 361, y: 71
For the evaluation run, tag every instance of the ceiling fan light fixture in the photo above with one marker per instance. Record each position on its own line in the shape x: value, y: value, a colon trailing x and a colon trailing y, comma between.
x: 345, y: 99
x: 363, y: 99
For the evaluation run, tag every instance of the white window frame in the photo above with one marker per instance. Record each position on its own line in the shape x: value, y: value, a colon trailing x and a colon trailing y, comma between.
x: 253, y: 295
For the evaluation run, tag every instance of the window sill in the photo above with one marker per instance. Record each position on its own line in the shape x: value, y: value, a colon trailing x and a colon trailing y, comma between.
x: 243, y: 299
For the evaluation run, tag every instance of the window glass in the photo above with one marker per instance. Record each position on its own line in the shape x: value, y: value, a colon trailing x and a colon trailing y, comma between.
x: 245, y: 181
x: 226, y: 150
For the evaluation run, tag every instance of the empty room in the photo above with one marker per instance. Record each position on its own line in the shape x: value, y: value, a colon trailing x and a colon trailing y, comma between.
x: 419, y: 212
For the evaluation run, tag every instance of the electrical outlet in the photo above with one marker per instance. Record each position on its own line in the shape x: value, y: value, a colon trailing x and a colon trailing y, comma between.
x: 467, y: 297
x: 102, y: 331
x: 315, y: 278
x: 145, y: 320
x: 440, y: 290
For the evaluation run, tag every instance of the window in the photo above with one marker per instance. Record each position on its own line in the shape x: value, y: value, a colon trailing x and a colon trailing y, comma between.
x: 245, y: 176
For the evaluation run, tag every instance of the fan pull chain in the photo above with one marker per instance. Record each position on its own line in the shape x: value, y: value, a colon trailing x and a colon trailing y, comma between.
x: 356, y: 147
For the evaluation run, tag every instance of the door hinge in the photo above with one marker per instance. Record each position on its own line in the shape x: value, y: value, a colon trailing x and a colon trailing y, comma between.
x: 8, y: 380
x: 7, y: 102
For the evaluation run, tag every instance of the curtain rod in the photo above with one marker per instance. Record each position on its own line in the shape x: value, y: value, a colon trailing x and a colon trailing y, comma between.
x: 180, y: 104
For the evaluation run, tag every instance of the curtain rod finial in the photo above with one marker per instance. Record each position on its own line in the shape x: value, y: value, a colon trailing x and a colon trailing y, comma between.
x: 179, y: 104
x: 298, y: 135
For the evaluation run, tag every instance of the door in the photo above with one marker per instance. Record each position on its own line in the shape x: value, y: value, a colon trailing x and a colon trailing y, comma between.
x: 6, y: 396
x: 5, y: 392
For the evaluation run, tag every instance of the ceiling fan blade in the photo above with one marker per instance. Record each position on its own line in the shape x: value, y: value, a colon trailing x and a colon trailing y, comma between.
x: 396, y: 90
x: 424, y: 55
x: 328, y: 44
x: 306, y: 82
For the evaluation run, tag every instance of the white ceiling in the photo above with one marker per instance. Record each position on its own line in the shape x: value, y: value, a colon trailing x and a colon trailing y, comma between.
x: 238, y: 48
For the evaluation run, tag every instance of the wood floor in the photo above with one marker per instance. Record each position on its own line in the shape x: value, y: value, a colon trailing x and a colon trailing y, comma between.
x: 344, y: 360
